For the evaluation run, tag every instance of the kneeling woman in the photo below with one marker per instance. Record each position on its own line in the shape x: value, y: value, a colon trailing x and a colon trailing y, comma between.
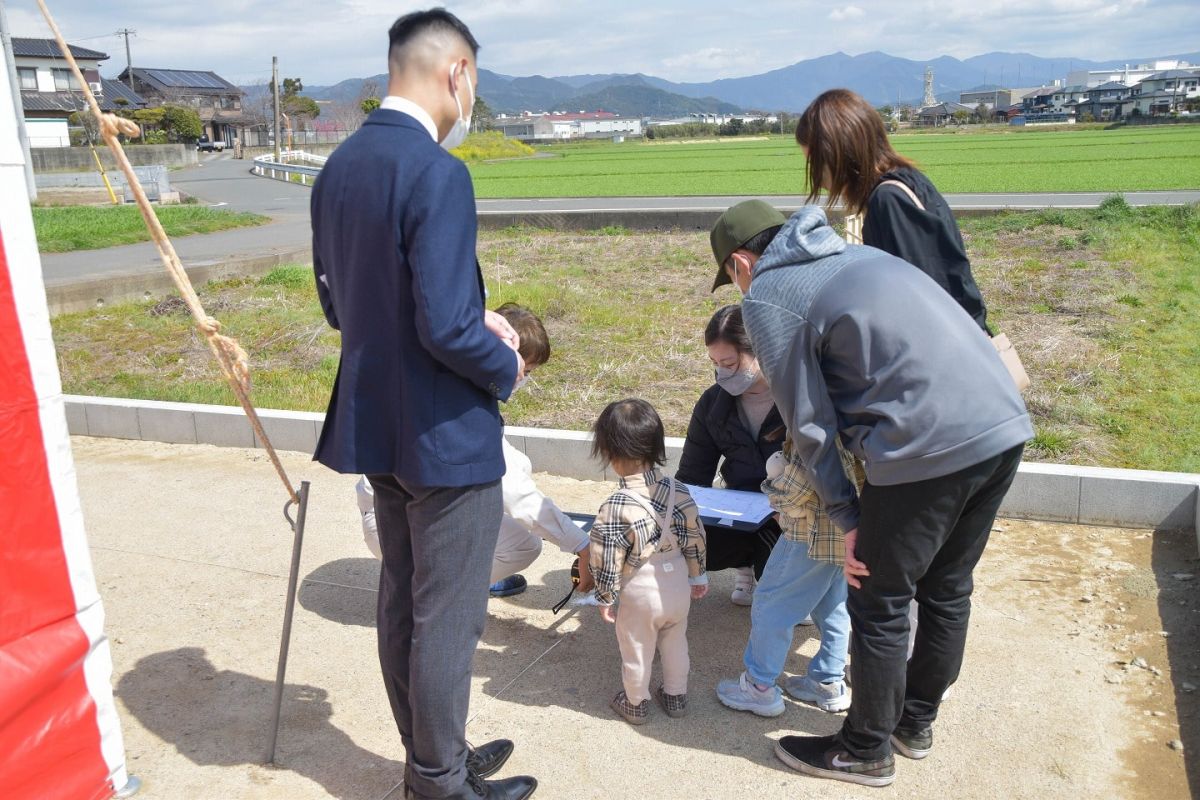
x: 736, y: 419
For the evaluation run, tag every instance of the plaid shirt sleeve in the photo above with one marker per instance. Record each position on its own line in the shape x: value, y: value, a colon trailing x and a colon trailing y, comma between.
x: 692, y: 538
x: 610, y: 546
x: 793, y: 495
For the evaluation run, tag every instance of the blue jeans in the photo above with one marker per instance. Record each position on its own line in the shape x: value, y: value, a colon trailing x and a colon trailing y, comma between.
x: 792, y: 587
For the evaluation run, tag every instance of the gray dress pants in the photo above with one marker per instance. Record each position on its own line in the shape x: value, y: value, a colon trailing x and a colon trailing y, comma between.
x: 437, y: 548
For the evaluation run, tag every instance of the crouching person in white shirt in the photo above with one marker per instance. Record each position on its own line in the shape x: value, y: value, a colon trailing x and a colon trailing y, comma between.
x: 529, y: 516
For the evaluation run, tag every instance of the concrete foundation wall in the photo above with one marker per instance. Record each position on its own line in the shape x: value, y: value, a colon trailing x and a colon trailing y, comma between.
x: 79, y: 159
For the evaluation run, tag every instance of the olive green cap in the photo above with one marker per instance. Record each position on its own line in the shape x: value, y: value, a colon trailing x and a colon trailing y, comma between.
x: 735, y: 227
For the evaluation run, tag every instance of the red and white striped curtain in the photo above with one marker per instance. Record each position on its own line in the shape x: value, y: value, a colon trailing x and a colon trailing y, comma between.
x: 59, y: 732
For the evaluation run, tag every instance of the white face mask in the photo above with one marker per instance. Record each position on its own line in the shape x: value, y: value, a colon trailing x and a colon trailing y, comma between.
x: 735, y: 381
x: 520, y: 383
x: 462, y: 126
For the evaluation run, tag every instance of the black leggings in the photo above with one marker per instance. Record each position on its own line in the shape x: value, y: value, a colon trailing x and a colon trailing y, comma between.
x: 729, y: 548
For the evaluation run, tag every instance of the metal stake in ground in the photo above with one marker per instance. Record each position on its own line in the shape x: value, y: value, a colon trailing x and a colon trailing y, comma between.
x: 288, y: 610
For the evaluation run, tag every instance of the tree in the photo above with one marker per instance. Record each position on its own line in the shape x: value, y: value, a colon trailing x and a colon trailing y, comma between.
x: 962, y: 116
x: 370, y: 104
x: 173, y: 123
x: 481, y: 116
x: 731, y: 128
x: 292, y: 87
x: 297, y: 106
x: 983, y: 113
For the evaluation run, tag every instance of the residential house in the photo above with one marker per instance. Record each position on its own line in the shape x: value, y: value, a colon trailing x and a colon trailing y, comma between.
x: 1165, y: 92
x: 1128, y: 75
x: 50, y: 93
x: 941, y: 114
x: 1103, y: 103
x: 1049, y: 104
x: 216, y: 100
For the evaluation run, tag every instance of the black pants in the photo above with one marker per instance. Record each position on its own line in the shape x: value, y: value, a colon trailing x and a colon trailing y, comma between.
x: 437, y: 555
x: 728, y: 548
x: 918, y: 540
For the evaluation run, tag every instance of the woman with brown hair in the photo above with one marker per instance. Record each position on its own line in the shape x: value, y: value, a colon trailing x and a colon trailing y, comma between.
x: 848, y: 154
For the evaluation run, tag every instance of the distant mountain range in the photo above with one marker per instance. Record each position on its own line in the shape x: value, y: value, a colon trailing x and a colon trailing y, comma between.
x: 881, y: 78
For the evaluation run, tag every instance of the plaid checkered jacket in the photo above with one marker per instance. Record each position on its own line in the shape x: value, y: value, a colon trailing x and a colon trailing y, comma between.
x: 802, y: 515
x: 625, y: 535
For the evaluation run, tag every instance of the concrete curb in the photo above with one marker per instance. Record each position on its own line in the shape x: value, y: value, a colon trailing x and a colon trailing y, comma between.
x: 73, y: 294
x: 1053, y: 492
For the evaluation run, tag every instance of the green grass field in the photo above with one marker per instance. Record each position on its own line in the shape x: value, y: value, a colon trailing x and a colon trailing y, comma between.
x: 1124, y: 159
x: 70, y: 228
x: 1104, y: 307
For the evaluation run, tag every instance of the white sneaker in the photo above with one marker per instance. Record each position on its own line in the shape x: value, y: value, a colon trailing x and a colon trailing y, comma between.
x: 743, y: 587
x: 743, y: 695
x: 830, y: 697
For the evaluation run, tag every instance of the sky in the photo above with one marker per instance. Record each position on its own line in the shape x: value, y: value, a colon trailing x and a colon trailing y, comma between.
x: 325, y: 41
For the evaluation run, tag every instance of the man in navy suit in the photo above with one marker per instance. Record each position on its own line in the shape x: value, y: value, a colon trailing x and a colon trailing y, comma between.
x: 414, y: 405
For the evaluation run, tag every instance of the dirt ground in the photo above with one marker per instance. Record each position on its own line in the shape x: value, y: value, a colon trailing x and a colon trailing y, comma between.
x: 1080, y: 672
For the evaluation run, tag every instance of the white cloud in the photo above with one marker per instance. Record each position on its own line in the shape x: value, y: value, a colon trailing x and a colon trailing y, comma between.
x: 325, y: 41
x: 849, y: 12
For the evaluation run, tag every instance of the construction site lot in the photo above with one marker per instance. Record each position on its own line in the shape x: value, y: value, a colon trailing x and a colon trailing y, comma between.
x: 1079, y: 679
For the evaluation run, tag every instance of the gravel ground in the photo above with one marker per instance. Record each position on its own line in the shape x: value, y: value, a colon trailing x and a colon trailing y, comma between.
x: 1079, y: 673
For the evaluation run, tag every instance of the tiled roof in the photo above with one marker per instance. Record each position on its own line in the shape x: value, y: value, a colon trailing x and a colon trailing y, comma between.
x: 73, y: 101
x: 48, y: 48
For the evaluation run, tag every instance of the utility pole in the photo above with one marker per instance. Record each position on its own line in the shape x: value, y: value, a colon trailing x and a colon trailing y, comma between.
x: 275, y: 101
x: 10, y: 64
x: 126, y: 32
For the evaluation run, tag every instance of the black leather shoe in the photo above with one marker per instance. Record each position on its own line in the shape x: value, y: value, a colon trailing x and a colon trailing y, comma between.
x: 487, y: 759
x: 518, y: 788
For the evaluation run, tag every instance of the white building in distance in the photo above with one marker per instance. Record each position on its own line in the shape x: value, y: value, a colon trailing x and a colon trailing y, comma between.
x: 562, y: 126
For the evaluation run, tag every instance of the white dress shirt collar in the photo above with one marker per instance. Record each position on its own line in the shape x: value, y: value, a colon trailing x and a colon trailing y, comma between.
x: 406, y: 106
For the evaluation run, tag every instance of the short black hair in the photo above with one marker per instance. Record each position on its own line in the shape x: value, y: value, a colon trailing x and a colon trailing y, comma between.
x: 759, y: 242
x: 629, y: 429
x: 438, y: 20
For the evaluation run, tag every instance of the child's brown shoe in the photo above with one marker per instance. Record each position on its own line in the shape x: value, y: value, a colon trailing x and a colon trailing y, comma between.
x: 674, y: 704
x: 634, y: 715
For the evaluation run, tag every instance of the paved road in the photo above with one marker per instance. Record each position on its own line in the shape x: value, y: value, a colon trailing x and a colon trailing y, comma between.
x: 222, y: 181
x: 219, y: 180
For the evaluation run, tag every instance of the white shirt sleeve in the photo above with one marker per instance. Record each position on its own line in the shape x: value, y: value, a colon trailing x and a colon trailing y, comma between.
x: 532, y: 509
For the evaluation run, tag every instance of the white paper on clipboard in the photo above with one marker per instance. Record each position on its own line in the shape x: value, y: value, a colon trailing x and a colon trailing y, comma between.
x: 730, y: 505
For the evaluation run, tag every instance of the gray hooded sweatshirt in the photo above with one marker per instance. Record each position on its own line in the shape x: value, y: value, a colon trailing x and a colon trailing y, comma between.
x: 858, y: 343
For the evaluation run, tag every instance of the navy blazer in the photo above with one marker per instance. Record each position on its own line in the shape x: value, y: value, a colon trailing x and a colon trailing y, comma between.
x: 393, y: 218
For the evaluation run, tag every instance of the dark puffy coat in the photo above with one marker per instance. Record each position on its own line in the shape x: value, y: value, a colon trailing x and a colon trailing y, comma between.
x: 716, y: 430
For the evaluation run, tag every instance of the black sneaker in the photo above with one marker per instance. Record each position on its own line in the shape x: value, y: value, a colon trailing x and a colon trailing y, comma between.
x: 913, y: 742
x: 826, y: 757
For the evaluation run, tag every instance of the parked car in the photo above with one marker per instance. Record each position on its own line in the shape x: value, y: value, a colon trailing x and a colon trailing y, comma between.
x: 206, y: 145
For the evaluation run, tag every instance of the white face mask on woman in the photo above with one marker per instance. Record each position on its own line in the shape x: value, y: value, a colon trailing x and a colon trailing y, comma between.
x: 736, y: 381
x: 462, y: 126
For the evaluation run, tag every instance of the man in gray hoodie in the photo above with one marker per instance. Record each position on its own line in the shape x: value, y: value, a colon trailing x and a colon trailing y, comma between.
x: 860, y: 345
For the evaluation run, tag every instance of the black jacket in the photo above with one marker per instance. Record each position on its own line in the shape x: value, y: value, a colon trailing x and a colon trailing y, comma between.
x: 716, y: 430
x: 929, y: 239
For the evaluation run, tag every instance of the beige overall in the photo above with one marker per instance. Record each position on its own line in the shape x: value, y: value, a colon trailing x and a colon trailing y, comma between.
x: 653, y: 612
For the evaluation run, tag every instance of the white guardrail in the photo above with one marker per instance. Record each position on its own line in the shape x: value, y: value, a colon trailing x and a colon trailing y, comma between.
x: 293, y: 166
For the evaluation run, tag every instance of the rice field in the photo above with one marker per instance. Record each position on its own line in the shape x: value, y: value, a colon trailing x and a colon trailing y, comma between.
x: 1120, y: 160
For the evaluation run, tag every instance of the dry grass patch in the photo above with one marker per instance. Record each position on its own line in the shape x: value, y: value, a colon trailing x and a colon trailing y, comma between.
x: 1102, y: 306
